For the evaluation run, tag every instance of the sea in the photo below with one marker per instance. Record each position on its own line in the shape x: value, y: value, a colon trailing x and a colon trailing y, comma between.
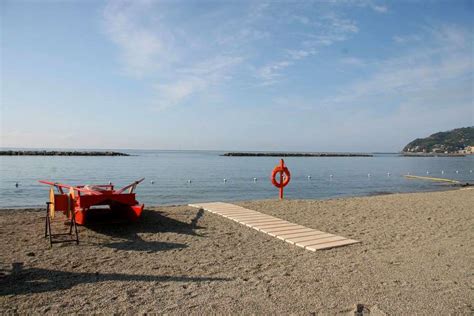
x: 182, y: 177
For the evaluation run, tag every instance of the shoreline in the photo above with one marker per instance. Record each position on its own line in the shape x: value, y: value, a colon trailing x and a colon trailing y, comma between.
x: 447, y: 187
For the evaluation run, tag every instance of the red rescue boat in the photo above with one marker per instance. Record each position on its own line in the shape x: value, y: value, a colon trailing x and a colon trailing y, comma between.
x: 82, y: 201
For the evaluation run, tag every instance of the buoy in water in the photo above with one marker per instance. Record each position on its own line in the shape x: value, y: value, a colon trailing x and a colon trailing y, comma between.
x: 330, y: 176
x: 254, y: 179
x: 225, y: 180
x: 189, y: 181
x: 457, y: 171
x: 309, y: 177
x: 388, y: 174
x: 427, y: 172
x: 152, y: 181
x: 17, y: 184
x: 368, y: 175
x: 442, y: 171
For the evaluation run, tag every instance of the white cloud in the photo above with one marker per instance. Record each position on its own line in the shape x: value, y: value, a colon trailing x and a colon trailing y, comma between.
x: 331, y: 29
x: 341, y: 25
x: 151, y: 48
x: 171, y: 94
x: 193, y: 80
x: 213, y: 66
x: 377, y: 6
x: 380, y: 8
x: 452, y: 35
x: 142, y: 45
x: 428, y: 68
x: 352, y: 61
x: 179, y: 60
x: 176, y: 62
x: 301, y: 53
x: 270, y: 72
x: 404, y: 39
x: 301, y: 19
x: 325, y: 31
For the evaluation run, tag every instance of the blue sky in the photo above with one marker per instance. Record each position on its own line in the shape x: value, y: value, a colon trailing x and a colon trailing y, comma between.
x: 234, y: 75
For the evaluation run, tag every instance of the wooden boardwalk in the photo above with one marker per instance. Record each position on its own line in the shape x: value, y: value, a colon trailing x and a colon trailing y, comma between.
x: 298, y: 235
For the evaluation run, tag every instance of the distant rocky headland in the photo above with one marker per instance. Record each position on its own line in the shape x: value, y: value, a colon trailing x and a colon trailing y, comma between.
x: 457, y: 142
x: 59, y: 153
x: 275, y: 154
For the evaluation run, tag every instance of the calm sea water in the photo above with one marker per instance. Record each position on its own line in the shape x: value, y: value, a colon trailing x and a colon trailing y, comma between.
x: 171, y: 170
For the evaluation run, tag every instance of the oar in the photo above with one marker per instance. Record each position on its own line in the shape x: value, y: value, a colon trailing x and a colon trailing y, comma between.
x: 130, y: 186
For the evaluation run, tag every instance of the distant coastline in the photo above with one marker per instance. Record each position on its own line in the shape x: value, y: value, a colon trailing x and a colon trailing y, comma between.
x: 454, y: 143
x: 283, y: 154
x: 412, y: 154
x: 59, y: 153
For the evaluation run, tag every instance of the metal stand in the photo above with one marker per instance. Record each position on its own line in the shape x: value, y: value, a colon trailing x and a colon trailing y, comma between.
x: 48, y: 232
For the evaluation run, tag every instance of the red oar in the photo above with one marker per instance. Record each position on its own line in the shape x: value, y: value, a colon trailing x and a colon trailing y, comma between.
x: 130, y: 186
x: 67, y: 186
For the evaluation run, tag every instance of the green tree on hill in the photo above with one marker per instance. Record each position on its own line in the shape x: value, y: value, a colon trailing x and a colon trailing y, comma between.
x: 450, y: 141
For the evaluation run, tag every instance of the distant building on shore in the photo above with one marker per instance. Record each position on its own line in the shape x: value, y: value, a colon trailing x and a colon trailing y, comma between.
x: 468, y: 150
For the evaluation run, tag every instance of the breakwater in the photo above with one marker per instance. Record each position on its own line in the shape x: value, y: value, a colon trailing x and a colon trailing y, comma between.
x: 277, y: 154
x: 59, y: 153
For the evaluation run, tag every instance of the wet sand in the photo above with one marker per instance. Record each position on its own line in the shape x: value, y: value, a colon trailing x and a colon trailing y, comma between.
x: 416, y: 256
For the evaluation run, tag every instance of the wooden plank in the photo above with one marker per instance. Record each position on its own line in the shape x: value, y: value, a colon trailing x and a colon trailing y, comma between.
x: 296, y: 235
x: 275, y: 226
x: 268, y: 222
x: 307, y: 238
x: 241, y: 212
x: 244, y: 222
x: 253, y: 225
x: 259, y: 220
x: 299, y: 235
x: 234, y: 215
x: 332, y: 244
x: 209, y: 205
x: 278, y: 232
x: 236, y: 211
x: 249, y: 217
x: 224, y: 209
x: 263, y: 220
x: 319, y: 241
x: 241, y: 216
x: 276, y: 221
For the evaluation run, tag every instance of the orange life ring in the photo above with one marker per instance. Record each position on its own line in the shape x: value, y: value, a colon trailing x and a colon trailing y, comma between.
x: 286, y: 176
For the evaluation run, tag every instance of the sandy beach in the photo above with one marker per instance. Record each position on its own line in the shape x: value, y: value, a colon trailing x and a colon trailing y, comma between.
x: 416, y: 256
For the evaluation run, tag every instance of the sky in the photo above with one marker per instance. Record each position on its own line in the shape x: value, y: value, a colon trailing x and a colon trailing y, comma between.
x: 349, y: 75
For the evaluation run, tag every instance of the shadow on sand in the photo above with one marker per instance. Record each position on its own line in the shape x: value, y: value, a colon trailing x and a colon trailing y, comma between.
x: 35, y: 280
x: 150, y: 222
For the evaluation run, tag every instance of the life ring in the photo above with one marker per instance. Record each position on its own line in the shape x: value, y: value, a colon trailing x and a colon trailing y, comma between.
x: 286, y: 176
